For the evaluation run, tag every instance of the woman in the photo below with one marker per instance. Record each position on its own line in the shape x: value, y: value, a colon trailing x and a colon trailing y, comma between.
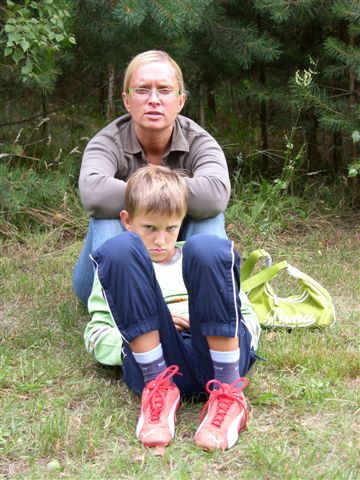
x: 152, y: 132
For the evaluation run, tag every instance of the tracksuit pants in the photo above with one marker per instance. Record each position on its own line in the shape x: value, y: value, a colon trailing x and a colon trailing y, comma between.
x: 211, y: 275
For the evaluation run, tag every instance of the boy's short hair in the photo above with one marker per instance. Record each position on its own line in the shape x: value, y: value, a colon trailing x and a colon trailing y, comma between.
x: 156, y: 189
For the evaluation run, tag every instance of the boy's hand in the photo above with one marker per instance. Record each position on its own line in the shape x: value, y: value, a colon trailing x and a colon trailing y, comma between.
x: 181, y: 323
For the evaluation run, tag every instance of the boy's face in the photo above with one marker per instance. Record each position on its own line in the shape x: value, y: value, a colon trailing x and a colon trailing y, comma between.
x: 159, y: 233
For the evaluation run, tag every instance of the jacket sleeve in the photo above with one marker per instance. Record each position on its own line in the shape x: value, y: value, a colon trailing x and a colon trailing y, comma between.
x: 102, y: 194
x: 209, y: 184
x: 102, y: 338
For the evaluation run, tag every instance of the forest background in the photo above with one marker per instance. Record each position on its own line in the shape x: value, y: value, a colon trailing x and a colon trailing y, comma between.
x: 275, y: 81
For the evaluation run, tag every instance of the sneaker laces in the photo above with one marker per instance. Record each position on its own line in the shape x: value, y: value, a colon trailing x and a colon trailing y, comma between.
x: 226, y: 395
x: 158, y: 390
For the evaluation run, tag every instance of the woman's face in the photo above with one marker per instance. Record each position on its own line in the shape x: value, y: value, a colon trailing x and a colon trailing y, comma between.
x: 154, y: 112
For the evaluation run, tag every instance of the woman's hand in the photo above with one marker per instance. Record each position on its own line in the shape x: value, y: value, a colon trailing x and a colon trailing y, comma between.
x: 181, y: 323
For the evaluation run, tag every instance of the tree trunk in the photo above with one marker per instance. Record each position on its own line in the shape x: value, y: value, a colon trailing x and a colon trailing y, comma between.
x: 263, y: 126
x: 111, y: 94
x: 231, y: 93
x: 101, y: 94
x: 337, y: 151
x: 44, y: 125
x: 202, y: 105
x: 353, y: 181
x: 211, y: 103
x: 313, y: 153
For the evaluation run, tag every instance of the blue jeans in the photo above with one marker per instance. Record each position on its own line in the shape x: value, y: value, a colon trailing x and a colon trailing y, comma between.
x: 211, y: 275
x: 101, y: 230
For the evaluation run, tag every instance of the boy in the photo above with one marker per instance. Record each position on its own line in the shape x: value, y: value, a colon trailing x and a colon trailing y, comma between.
x: 174, y: 309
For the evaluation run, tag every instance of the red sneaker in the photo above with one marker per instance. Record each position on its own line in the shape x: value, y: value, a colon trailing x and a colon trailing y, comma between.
x: 226, y: 416
x: 159, y: 401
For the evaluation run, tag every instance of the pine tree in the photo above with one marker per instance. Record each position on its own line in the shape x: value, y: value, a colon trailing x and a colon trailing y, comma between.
x: 332, y: 95
x: 345, y: 54
x: 109, y: 32
x: 319, y: 37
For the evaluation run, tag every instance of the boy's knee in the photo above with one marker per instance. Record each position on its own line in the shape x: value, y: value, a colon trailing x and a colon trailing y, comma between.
x: 205, y: 248
x: 123, y: 249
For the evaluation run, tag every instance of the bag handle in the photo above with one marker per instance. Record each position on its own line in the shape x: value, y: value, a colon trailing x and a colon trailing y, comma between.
x: 309, y: 281
x: 263, y: 276
x: 250, y: 262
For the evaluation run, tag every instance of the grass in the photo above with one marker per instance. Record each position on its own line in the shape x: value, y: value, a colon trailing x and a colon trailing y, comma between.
x: 64, y: 416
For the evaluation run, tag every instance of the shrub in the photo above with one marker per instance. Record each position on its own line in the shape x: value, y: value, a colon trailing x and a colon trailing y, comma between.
x: 32, y: 201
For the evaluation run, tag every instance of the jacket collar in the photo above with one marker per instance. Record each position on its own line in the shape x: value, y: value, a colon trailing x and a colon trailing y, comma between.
x: 178, y: 141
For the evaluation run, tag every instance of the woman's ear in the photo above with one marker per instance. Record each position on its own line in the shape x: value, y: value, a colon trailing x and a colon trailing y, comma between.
x: 126, y: 220
x: 125, y: 99
x: 182, y: 101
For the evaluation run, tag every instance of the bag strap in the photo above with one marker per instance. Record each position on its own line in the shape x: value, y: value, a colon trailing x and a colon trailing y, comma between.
x: 263, y: 276
x: 250, y: 262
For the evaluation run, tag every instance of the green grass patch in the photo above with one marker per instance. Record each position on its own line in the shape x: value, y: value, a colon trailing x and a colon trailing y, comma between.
x: 64, y: 416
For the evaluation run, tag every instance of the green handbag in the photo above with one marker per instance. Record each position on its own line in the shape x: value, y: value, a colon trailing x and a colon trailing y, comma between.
x: 312, y: 307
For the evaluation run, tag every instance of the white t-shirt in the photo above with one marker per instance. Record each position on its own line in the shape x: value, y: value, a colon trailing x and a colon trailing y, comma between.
x: 170, y: 278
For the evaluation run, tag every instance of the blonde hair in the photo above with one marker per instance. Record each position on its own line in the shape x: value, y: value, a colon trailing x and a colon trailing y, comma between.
x: 152, y: 56
x: 156, y: 189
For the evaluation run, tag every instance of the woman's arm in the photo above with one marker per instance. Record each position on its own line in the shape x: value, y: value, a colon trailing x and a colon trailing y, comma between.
x: 209, y: 184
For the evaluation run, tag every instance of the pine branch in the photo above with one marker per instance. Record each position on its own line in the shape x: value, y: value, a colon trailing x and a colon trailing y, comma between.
x: 131, y: 13
x: 346, y: 10
x: 340, y: 52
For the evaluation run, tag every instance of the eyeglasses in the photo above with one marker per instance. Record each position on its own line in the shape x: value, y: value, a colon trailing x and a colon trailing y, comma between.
x: 145, y: 93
